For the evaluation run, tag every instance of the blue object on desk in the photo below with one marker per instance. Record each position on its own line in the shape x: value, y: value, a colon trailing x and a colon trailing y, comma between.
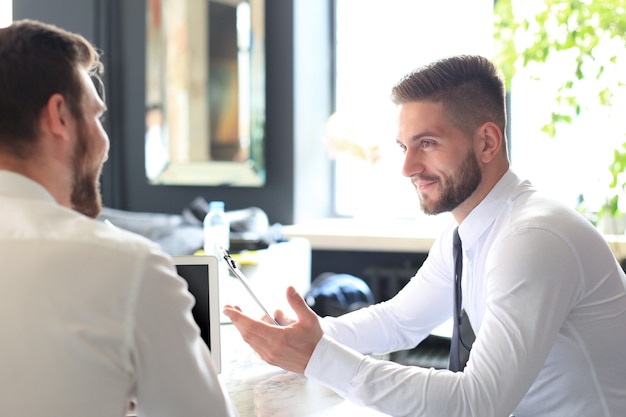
x: 336, y: 294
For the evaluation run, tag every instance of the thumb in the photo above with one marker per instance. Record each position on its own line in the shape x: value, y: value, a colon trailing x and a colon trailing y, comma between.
x: 299, y: 306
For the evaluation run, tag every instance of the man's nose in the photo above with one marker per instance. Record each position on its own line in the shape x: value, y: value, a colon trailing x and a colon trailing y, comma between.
x: 412, y: 165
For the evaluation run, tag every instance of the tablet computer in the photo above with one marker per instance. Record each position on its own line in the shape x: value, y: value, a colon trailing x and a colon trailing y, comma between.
x: 244, y: 281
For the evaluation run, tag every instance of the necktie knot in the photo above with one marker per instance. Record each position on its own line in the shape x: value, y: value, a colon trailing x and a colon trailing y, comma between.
x: 457, y: 252
x: 456, y: 239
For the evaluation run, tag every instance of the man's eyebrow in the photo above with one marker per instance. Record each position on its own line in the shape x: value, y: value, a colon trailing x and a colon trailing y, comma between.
x: 426, y: 133
x: 422, y: 135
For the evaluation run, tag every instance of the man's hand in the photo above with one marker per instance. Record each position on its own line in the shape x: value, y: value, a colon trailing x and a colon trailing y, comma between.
x: 289, y: 347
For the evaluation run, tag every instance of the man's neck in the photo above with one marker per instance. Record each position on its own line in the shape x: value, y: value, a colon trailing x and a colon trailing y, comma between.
x: 41, y: 172
x: 490, y: 179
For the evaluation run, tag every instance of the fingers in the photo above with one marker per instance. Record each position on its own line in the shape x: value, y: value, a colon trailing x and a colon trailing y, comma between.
x: 269, y: 320
x: 236, y: 315
x: 299, y: 306
x: 281, y: 318
x: 297, y: 303
x: 255, y: 332
x: 227, y: 306
x: 265, y: 318
x: 288, y: 346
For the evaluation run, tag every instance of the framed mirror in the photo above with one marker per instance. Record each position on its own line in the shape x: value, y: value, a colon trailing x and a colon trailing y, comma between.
x: 205, y: 92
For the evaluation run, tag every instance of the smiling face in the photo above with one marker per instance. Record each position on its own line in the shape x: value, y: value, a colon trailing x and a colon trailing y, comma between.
x: 439, y: 159
x: 90, y: 152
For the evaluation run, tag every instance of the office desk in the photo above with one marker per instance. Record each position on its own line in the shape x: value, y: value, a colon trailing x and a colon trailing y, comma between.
x: 416, y: 235
x: 261, y: 390
x: 365, y: 235
x: 256, y: 388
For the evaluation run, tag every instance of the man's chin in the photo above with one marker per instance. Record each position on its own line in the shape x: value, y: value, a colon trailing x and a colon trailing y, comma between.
x: 428, y: 206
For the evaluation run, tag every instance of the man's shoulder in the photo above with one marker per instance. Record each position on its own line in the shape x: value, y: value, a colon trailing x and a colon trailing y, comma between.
x: 103, y: 236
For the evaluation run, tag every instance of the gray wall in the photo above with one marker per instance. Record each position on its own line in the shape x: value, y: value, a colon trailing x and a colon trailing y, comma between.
x: 298, y: 102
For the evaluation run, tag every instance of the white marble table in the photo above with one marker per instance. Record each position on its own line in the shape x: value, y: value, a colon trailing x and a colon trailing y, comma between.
x: 261, y: 390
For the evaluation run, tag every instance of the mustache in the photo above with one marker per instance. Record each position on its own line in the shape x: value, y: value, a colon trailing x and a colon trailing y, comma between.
x: 423, y: 177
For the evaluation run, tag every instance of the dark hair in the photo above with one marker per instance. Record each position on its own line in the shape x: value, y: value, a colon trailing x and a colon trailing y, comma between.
x: 469, y: 87
x: 38, y: 60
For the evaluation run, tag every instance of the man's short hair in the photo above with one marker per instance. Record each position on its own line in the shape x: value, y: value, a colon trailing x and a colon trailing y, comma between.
x: 469, y: 87
x: 38, y: 60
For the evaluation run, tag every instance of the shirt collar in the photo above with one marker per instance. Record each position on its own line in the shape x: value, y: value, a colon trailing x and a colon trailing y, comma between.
x: 485, y: 213
x: 13, y: 184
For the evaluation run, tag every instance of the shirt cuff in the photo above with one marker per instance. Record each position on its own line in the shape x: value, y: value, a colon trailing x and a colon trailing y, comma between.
x: 333, y: 365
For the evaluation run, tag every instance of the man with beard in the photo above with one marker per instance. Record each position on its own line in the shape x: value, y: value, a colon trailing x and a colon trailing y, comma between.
x: 92, y: 317
x: 543, y: 292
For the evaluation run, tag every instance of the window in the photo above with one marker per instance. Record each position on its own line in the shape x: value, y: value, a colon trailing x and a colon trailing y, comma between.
x: 6, y: 13
x: 376, y: 44
x: 574, y: 163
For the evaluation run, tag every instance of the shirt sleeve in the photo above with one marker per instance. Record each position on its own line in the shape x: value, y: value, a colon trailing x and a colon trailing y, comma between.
x: 532, y: 282
x: 406, y: 319
x: 174, y: 372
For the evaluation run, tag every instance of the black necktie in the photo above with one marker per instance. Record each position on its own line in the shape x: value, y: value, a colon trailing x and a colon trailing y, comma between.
x: 462, y: 333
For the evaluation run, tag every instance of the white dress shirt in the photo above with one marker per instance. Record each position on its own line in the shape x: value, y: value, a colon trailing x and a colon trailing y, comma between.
x: 91, y: 317
x: 546, y: 299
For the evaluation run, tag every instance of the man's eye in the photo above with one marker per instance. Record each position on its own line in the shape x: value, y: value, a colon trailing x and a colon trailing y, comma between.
x: 402, y: 148
x: 426, y: 143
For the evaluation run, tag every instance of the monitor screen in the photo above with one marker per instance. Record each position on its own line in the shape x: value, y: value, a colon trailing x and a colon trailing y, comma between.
x: 201, y: 275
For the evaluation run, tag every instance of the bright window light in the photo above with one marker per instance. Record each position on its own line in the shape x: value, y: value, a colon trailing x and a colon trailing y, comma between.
x: 574, y: 163
x: 376, y: 45
x: 6, y: 12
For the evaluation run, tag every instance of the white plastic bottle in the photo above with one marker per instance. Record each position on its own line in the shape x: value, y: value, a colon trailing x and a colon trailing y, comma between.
x: 216, y: 229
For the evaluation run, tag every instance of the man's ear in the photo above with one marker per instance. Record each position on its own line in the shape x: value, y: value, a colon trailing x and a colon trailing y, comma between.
x: 56, y: 117
x: 490, y: 143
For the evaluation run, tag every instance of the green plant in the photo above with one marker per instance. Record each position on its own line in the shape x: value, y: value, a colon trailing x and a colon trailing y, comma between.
x: 592, y: 34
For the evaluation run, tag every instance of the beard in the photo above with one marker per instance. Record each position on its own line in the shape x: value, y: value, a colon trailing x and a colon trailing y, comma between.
x: 455, y: 188
x: 86, y: 197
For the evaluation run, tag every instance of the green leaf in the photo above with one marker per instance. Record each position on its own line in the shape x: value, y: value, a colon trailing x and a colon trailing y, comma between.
x: 579, y: 26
